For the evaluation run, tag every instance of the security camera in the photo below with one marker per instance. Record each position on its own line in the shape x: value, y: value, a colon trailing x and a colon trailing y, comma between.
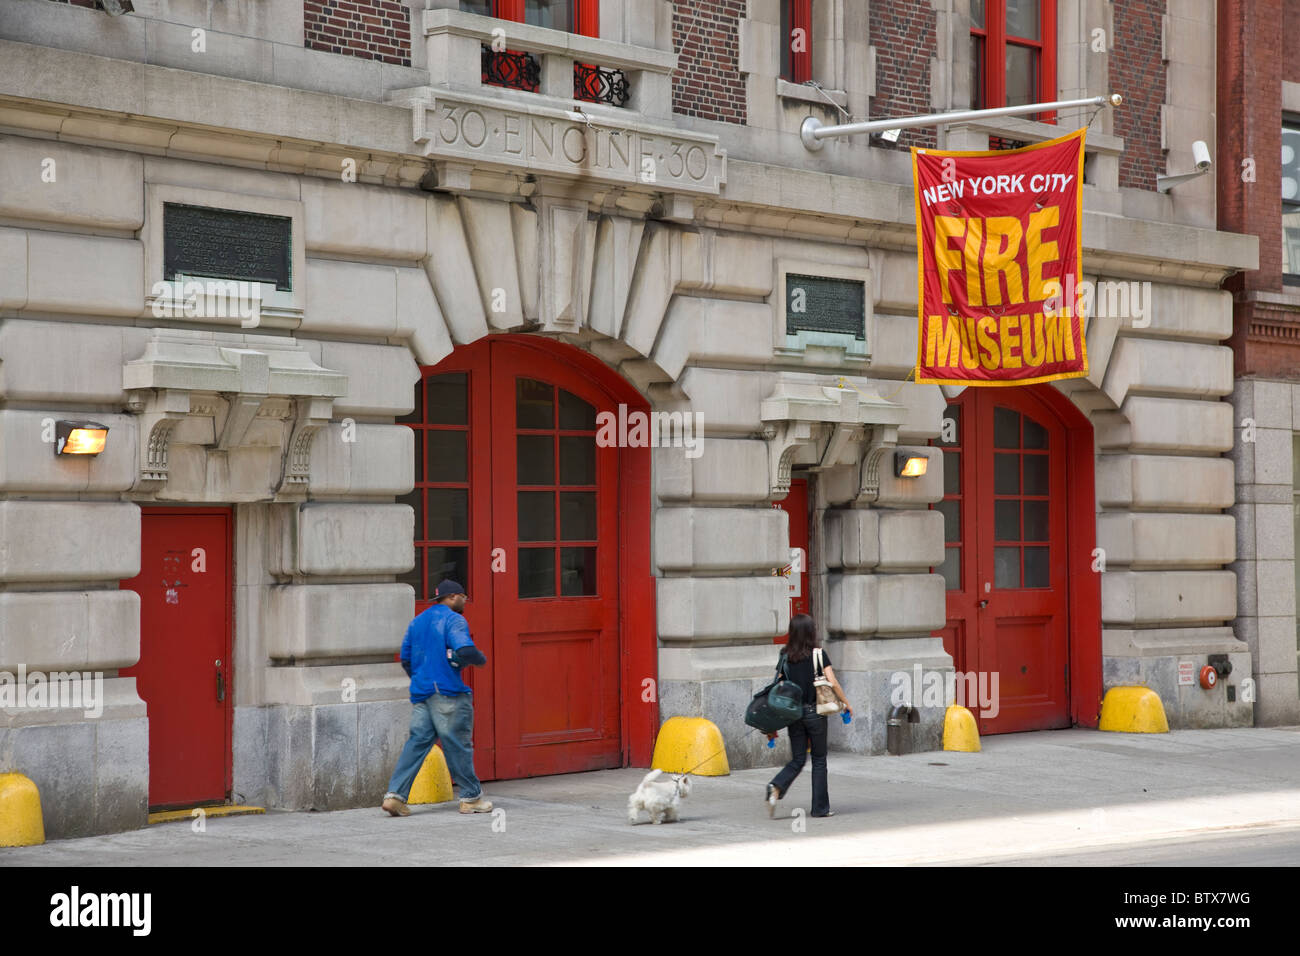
x: 115, y: 8
x: 1201, y: 155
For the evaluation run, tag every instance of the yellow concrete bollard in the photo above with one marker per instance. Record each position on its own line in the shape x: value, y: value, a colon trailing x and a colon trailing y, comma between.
x: 21, y: 823
x: 691, y: 745
x: 960, y: 732
x: 433, y: 782
x: 1133, y: 710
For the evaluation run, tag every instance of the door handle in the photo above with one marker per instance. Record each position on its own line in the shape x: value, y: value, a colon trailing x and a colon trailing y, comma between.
x: 983, y: 604
x: 221, y: 684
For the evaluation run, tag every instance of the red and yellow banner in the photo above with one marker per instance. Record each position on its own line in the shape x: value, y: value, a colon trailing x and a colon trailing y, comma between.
x: 997, y: 240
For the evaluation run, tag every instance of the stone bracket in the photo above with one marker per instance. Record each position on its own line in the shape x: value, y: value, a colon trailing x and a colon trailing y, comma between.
x: 313, y: 415
x: 884, y: 439
x: 807, y: 410
x: 160, y: 411
x: 243, y: 409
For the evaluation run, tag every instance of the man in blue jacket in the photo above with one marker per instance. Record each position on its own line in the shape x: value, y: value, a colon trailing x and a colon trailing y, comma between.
x: 437, y: 645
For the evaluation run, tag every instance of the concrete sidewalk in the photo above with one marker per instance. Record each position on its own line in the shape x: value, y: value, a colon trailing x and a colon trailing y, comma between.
x: 1025, y: 795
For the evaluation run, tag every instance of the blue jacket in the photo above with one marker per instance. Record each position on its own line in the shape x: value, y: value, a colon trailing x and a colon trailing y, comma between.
x: 436, y: 646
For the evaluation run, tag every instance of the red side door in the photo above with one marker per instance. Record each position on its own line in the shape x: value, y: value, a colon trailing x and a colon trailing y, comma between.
x: 184, y: 671
x: 795, y: 505
x: 1007, y: 557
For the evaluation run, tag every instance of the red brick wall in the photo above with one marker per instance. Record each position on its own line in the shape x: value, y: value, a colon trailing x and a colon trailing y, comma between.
x: 369, y: 29
x: 1265, y: 340
x: 708, y: 82
x: 904, y: 35
x: 1291, y: 42
x: 1137, y: 70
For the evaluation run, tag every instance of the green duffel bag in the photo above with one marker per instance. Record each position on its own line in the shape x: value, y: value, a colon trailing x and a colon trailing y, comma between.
x: 777, y: 705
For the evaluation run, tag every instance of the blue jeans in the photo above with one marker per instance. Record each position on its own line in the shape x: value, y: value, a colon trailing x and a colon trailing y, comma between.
x: 810, y: 729
x: 450, y: 719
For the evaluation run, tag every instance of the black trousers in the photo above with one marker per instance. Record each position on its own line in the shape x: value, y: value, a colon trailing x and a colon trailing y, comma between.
x: 810, y: 728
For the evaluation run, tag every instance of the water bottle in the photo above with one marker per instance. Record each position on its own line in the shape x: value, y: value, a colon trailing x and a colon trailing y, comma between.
x: 846, y: 717
x: 771, y: 742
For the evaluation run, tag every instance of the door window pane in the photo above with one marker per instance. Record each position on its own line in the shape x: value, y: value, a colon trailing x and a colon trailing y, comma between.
x: 447, y: 458
x: 951, y: 511
x: 448, y: 516
x: 482, y: 7
x: 1006, y: 567
x: 575, y: 414
x: 536, y: 516
x: 445, y: 564
x: 577, y: 571
x: 1006, y: 474
x: 534, y: 404
x: 536, y: 572
x: 951, y: 569
x: 1035, y: 520
x: 952, y: 472
x: 977, y: 14
x: 535, y: 459
x: 1037, y: 571
x: 577, y: 460
x: 448, y: 399
x: 578, y: 515
x: 1006, y: 428
x: 1006, y: 520
x: 1036, y: 474
x: 1035, y: 434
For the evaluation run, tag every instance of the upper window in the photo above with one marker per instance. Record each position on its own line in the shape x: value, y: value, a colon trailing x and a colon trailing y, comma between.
x: 1291, y: 203
x: 572, y: 16
x: 796, y: 45
x: 1013, y: 53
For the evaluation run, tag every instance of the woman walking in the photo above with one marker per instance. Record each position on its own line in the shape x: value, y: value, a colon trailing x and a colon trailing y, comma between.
x: 800, y: 668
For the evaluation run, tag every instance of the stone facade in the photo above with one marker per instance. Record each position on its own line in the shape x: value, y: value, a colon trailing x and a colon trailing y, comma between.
x: 1259, y: 87
x: 654, y: 240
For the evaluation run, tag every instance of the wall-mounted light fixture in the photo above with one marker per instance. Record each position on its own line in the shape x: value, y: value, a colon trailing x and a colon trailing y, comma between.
x: 79, y: 438
x: 908, y: 465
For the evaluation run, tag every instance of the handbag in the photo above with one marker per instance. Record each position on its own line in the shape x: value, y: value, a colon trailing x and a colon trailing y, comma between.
x: 777, y: 705
x: 827, y: 702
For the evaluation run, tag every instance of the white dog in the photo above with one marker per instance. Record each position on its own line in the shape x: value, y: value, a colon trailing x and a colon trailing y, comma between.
x: 660, y: 800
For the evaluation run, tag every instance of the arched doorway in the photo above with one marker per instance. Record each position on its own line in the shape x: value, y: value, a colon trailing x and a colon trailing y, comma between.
x: 549, y: 533
x: 1023, y: 601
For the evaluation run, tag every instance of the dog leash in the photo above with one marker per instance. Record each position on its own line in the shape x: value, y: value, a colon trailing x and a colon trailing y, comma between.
x: 708, y: 758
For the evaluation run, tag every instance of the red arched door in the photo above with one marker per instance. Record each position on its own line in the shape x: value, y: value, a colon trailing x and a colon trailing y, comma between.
x: 515, y: 499
x: 1007, y: 565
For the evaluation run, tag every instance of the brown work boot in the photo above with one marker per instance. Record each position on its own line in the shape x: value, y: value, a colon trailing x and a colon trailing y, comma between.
x: 478, y: 805
x: 396, y: 806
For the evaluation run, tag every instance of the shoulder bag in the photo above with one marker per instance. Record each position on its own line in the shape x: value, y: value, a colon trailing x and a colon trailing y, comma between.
x: 827, y: 702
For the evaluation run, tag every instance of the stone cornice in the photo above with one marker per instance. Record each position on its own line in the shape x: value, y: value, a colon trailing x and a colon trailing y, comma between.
x: 78, y: 97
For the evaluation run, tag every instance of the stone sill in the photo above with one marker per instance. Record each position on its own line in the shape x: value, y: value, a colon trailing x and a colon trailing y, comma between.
x: 810, y: 94
x: 1286, y: 299
x: 1031, y: 131
x: 523, y: 36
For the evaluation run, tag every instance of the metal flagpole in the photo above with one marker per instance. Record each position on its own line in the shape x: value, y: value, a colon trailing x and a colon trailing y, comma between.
x: 812, y: 132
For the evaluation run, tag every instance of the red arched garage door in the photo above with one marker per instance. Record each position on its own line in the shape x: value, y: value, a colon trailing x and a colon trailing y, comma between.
x: 549, y: 533
x: 1019, y: 525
